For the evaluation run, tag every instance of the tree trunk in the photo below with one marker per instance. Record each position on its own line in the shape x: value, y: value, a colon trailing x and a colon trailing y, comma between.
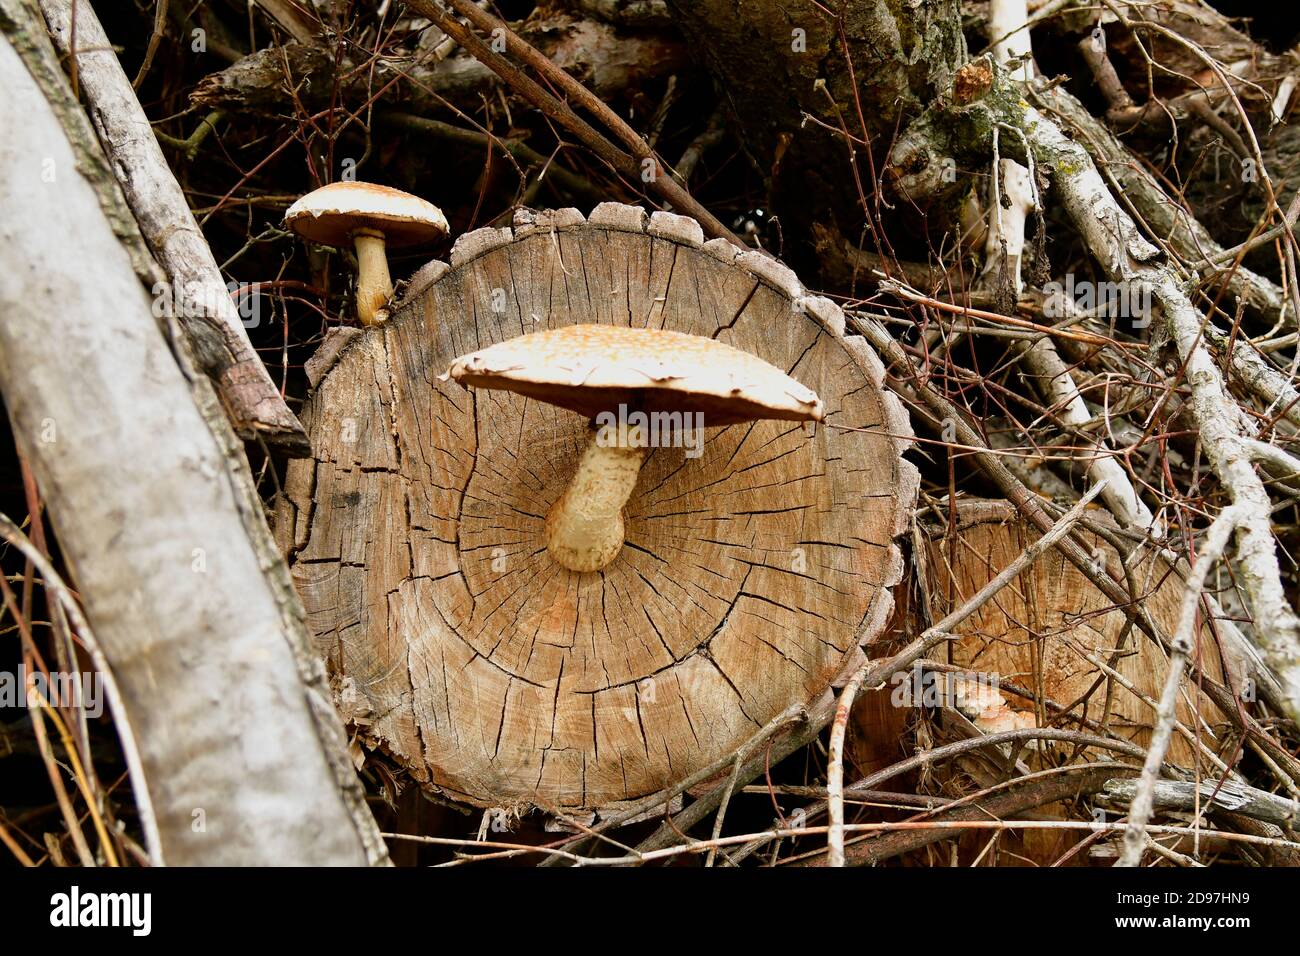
x: 156, y: 513
x: 815, y: 96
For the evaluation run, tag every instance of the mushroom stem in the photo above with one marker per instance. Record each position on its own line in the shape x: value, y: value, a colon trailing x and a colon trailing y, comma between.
x: 374, y: 286
x: 584, y: 529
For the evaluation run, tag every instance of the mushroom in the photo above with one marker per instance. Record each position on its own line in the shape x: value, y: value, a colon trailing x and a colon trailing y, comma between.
x: 633, y: 383
x: 369, y: 216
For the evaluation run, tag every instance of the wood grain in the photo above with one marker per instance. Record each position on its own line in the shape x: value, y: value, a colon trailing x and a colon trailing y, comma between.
x: 749, y: 576
x: 1031, y: 634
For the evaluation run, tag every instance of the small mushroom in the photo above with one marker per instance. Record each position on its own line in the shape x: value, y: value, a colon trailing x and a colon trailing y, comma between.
x: 624, y: 378
x: 369, y: 216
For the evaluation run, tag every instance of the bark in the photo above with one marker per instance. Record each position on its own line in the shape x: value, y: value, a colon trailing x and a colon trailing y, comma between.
x: 155, y: 510
x: 799, y: 84
x: 1162, y: 218
x: 1188, y: 797
x: 197, y: 289
x: 608, y: 59
x: 1166, y: 33
x: 640, y: 13
x: 1185, y: 102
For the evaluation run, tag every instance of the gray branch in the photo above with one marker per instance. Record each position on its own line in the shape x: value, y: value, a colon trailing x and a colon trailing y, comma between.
x: 197, y: 290
x: 244, y: 759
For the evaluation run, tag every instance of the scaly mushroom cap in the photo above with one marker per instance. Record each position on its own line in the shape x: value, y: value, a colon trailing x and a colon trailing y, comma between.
x: 590, y: 369
x: 331, y: 214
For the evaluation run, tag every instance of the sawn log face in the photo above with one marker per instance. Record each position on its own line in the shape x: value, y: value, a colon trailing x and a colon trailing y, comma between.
x: 750, y: 572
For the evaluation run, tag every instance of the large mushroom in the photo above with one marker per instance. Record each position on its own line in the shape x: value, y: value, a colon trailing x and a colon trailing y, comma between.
x: 371, y: 217
x: 640, y: 387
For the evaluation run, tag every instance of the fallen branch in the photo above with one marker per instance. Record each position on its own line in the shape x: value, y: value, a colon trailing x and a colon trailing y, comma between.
x: 157, y: 515
x: 198, y: 294
x: 268, y: 81
x: 1017, y: 796
x: 1181, y: 647
x: 1114, y: 240
x: 1185, y: 796
x: 1004, y: 244
x: 1163, y: 217
x: 640, y: 165
x: 1053, y: 378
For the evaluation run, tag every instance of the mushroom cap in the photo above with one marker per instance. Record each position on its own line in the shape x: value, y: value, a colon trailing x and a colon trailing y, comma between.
x: 331, y: 214
x: 591, y: 369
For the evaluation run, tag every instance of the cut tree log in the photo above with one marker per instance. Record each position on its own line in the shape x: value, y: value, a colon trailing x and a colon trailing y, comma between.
x: 750, y: 576
x: 1051, y: 634
x: 242, y: 758
x: 1034, y: 636
x: 1036, y: 633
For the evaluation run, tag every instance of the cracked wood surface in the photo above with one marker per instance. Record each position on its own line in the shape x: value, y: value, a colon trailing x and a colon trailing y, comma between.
x: 1034, y: 633
x: 749, y: 577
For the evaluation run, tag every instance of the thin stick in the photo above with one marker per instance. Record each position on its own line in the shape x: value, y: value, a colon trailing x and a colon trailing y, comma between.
x: 12, y: 846
x: 42, y: 738
x: 1140, y: 811
x: 942, y: 630
x: 956, y: 826
x: 11, y: 533
x: 628, y: 165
